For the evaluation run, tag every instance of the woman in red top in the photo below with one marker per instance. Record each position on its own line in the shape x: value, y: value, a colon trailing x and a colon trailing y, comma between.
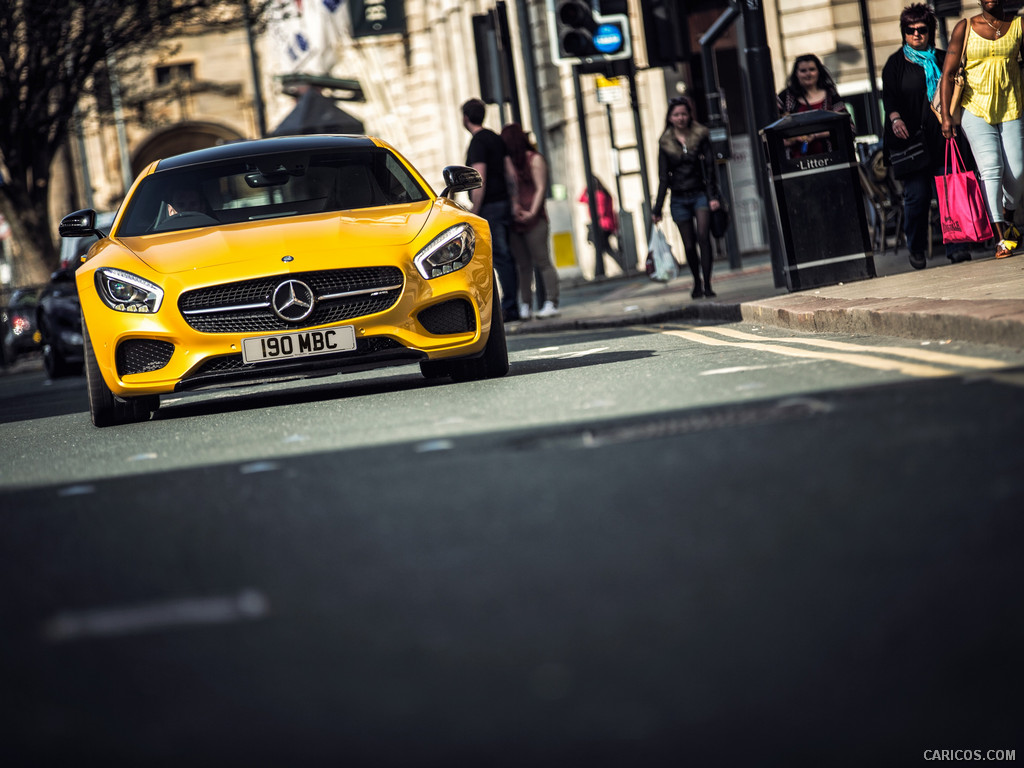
x: 607, y: 221
x: 810, y: 88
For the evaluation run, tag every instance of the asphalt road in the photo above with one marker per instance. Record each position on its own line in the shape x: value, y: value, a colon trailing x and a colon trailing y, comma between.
x: 650, y: 547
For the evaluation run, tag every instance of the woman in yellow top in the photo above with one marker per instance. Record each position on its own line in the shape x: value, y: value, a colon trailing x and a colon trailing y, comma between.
x: 992, y: 102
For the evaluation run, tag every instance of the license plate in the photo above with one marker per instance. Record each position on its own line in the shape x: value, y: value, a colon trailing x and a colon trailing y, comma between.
x: 283, y: 346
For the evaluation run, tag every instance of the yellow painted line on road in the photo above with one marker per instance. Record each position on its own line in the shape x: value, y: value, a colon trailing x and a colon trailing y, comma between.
x: 924, y: 355
x: 859, y: 360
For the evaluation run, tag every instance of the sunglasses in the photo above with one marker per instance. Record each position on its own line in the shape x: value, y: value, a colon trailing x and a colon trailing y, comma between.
x: 915, y: 31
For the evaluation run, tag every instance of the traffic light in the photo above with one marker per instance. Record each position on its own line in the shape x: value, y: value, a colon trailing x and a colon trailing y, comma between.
x: 581, y: 34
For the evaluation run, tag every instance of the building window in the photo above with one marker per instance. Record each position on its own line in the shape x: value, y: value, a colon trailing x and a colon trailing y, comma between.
x: 169, y: 74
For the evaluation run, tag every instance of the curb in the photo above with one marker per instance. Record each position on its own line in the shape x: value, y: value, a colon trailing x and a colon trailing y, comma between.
x: 997, y: 322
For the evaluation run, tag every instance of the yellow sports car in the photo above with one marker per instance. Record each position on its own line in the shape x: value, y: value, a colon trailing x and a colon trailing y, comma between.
x: 283, y: 257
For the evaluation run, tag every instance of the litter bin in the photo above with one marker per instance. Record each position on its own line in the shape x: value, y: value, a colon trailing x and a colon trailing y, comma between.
x: 818, y: 199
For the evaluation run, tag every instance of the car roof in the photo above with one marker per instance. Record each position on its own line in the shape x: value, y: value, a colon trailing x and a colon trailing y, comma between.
x: 273, y: 146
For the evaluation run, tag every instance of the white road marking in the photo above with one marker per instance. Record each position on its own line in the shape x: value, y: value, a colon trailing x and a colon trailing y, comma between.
x: 247, y: 605
x: 857, y: 359
x: 259, y: 466
x: 434, y: 445
x: 568, y: 355
x: 77, y: 490
x: 746, y: 368
x: 925, y: 355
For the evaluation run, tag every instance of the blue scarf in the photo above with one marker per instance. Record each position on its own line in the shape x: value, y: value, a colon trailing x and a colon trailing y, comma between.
x: 925, y: 60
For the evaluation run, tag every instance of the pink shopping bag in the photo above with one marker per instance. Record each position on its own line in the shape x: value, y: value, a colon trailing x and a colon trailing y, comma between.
x: 962, y: 212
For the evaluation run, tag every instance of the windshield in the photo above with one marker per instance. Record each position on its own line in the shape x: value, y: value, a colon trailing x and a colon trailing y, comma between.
x: 267, y: 187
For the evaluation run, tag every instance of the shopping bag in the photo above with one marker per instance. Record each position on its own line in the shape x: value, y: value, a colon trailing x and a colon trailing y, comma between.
x: 661, y: 264
x: 962, y: 212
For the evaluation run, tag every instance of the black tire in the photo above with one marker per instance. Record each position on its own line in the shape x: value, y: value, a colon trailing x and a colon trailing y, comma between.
x: 492, y: 364
x: 105, y: 409
x: 496, y: 352
x: 435, y: 369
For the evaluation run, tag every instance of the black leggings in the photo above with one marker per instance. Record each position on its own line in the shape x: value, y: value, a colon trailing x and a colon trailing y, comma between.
x: 702, y: 262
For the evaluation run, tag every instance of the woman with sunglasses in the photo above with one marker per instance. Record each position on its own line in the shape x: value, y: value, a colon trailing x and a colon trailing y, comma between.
x: 992, y: 109
x: 909, y: 80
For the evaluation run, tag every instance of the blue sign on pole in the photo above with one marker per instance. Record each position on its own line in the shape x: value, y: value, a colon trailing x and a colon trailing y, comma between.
x: 608, y: 38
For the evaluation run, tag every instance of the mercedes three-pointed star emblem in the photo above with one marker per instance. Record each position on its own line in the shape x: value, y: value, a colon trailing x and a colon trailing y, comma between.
x: 293, y: 301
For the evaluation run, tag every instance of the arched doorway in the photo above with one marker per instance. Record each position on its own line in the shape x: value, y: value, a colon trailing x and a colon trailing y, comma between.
x: 183, y: 137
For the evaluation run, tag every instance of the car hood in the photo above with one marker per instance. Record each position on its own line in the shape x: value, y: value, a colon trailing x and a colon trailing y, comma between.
x: 307, y: 237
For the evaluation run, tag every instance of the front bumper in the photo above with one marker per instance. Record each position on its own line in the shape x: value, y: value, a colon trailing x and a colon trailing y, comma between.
x: 171, y: 351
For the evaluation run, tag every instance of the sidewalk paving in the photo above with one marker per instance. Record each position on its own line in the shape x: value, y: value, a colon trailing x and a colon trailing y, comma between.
x: 980, y: 301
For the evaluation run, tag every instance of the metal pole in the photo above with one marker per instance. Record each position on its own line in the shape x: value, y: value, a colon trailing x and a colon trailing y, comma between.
x: 716, y: 121
x: 86, y: 176
x: 874, y: 119
x: 638, y: 129
x: 623, y: 259
x: 507, y: 64
x: 596, y: 236
x: 122, y: 138
x: 763, y: 111
x: 530, y: 65
x: 495, y: 66
x: 254, y: 68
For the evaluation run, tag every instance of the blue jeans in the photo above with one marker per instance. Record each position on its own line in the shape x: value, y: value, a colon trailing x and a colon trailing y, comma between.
x: 999, y: 153
x: 498, y: 216
x: 918, y: 192
x: 684, y: 207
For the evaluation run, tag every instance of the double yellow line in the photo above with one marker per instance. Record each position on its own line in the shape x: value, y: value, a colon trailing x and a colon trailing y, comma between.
x: 916, y: 362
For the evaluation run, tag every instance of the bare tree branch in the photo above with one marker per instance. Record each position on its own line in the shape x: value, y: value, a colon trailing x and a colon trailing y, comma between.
x: 50, y: 50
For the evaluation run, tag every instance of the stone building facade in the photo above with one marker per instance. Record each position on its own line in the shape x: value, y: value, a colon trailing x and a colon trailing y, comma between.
x: 200, y: 91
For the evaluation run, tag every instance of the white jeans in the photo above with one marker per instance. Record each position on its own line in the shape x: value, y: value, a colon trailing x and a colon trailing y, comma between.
x: 999, y: 153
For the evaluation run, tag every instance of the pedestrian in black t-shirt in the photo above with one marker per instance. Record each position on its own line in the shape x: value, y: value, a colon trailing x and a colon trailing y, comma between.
x: 487, y: 155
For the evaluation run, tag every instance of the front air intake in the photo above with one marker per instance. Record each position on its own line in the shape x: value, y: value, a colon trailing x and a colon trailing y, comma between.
x: 142, y: 356
x: 455, y: 316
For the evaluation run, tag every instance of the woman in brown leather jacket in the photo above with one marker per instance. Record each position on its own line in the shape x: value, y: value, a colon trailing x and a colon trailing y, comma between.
x: 686, y: 167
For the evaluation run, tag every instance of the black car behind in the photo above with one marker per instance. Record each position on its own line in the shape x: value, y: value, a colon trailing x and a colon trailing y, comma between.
x: 19, y: 333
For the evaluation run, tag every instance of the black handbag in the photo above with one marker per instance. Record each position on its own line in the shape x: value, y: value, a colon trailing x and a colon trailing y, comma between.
x: 910, y: 160
x: 719, y: 221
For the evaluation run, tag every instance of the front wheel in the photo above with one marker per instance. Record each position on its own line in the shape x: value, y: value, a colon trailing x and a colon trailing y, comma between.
x: 105, y: 409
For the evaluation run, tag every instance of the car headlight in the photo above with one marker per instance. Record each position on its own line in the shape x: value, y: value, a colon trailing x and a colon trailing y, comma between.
x: 449, y: 251
x: 126, y: 292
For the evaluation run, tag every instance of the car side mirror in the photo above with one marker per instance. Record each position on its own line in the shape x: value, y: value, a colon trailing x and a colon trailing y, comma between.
x: 459, y: 178
x: 79, y: 224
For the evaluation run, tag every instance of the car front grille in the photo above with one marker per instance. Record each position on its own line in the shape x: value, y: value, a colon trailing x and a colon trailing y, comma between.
x: 455, y: 316
x: 142, y: 356
x: 244, y: 307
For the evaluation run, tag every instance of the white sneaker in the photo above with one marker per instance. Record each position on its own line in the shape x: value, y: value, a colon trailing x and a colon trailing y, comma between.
x: 548, y: 310
x: 524, y: 311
